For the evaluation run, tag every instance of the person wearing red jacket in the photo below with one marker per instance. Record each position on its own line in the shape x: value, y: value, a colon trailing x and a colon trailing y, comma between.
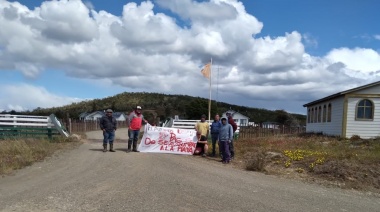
x: 135, y: 120
x: 234, y: 128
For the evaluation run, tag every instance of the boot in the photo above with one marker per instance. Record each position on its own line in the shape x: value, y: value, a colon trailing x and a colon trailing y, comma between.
x: 104, y: 147
x: 129, y: 146
x: 135, y: 146
x: 111, y: 148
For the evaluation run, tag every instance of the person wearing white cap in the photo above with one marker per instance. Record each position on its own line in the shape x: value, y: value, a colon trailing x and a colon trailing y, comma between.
x: 135, y: 119
x: 108, y: 125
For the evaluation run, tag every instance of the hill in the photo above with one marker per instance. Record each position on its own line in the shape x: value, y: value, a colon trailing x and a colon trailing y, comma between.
x: 164, y: 105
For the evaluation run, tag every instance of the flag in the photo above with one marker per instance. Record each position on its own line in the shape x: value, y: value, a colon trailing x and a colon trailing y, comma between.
x: 206, y: 70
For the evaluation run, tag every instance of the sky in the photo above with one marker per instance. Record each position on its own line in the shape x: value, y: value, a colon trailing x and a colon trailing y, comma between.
x: 271, y: 54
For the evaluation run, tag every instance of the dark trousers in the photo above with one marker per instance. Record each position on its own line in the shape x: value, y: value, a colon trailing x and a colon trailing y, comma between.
x: 224, y: 147
x: 231, y: 148
x: 108, y: 137
x: 214, y: 138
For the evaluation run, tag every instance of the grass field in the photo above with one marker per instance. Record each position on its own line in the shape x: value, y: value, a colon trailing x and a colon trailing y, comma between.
x: 352, y: 163
x: 17, y: 153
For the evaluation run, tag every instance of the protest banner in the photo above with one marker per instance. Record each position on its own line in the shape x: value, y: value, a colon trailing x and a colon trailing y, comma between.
x: 168, y: 140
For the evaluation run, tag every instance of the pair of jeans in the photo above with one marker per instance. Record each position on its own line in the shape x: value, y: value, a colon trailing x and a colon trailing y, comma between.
x: 108, y: 137
x: 133, y: 137
x: 224, y: 147
x: 214, y: 138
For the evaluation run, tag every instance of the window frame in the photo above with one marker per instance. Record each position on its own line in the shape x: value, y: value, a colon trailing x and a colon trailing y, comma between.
x: 364, y: 108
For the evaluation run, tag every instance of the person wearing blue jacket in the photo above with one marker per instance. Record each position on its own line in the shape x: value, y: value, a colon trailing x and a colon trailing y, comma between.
x: 225, y: 137
x: 215, y: 126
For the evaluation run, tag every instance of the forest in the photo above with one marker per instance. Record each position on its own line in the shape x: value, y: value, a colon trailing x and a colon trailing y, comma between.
x: 164, y: 106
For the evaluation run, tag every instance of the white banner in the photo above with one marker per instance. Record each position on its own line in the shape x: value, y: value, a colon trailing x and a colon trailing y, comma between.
x: 168, y: 140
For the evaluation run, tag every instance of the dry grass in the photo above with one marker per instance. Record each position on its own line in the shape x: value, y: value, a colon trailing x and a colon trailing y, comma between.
x: 351, y: 163
x: 20, y: 152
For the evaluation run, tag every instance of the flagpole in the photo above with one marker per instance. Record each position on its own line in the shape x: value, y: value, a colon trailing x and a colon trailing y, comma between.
x: 209, y: 101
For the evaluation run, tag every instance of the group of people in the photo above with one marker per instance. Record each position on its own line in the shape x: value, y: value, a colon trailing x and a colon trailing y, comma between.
x: 108, y: 125
x: 222, y: 131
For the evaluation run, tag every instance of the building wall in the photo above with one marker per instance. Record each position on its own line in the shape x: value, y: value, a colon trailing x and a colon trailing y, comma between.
x: 240, y: 119
x: 121, y: 118
x: 329, y: 128
x: 371, y: 90
x: 363, y: 128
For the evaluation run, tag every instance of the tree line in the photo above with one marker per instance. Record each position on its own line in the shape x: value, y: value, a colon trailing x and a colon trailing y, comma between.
x: 165, y: 105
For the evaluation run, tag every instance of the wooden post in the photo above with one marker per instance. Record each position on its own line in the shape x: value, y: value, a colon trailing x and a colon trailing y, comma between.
x: 49, y: 134
x: 70, y: 126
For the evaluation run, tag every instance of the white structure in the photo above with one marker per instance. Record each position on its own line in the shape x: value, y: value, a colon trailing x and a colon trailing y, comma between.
x: 347, y: 113
x: 28, y: 123
x: 240, y: 119
x: 99, y: 114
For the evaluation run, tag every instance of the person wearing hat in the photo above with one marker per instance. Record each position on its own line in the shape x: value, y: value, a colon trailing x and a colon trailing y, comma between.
x: 135, y: 120
x: 225, y: 137
x: 108, y: 125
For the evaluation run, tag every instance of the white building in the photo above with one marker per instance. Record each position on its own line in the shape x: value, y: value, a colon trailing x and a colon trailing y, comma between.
x: 347, y: 113
x: 119, y: 116
x: 240, y: 119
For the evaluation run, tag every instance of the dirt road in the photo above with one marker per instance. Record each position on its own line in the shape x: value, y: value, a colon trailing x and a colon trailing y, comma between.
x: 86, y: 179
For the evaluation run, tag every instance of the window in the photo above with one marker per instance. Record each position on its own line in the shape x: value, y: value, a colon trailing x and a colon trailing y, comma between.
x: 319, y: 114
x: 243, y: 122
x: 312, y: 115
x: 315, y: 115
x: 308, y: 115
x: 364, y: 109
x: 329, y: 113
x: 324, y: 114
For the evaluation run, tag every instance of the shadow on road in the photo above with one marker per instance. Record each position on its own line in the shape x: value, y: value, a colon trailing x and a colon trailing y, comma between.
x: 98, y: 150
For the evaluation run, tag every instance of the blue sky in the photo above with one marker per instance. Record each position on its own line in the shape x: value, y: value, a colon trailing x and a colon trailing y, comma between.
x: 270, y: 54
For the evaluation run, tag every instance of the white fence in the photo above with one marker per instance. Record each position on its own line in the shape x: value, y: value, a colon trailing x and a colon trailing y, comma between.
x: 189, y: 124
x: 23, y: 120
x: 8, y: 121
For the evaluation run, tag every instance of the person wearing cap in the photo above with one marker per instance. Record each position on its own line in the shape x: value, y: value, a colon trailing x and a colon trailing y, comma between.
x: 202, y: 146
x: 234, y: 128
x: 108, y: 125
x: 135, y: 120
x: 225, y: 137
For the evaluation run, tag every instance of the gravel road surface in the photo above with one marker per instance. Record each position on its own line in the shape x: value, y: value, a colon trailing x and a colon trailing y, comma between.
x: 86, y: 179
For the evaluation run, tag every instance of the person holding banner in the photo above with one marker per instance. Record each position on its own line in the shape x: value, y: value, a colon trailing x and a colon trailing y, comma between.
x: 135, y: 120
x: 202, y: 146
x: 225, y: 138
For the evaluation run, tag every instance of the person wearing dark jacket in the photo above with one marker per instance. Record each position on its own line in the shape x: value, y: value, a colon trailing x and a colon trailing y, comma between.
x: 225, y: 137
x: 108, y: 125
x: 234, y: 128
x: 215, y: 125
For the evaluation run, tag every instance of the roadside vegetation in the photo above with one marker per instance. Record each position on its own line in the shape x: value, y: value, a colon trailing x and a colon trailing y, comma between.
x: 353, y: 163
x: 16, y: 153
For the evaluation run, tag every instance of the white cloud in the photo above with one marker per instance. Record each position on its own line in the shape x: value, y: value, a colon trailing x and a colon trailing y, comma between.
x: 20, y: 97
x: 310, y: 40
x: 377, y: 37
x: 144, y: 50
x: 365, y: 61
